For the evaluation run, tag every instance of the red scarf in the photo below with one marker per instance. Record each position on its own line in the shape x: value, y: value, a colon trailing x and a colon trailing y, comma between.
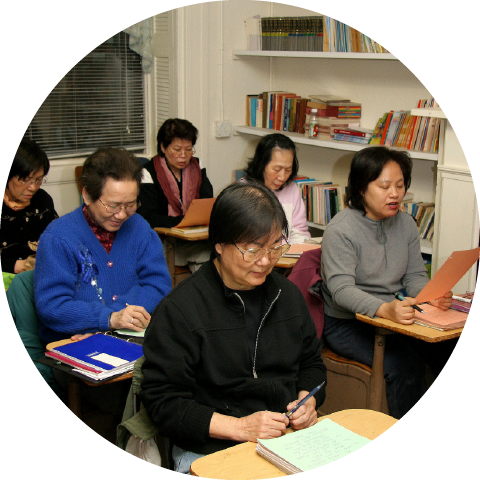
x: 191, y: 182
x: 105, y: 237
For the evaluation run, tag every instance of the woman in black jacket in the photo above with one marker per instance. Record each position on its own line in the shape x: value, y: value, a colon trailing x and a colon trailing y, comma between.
x: 27, y: 209
x: 233, y: 347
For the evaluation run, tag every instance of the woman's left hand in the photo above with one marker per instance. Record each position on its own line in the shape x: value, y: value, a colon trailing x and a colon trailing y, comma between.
x: 444, y: 303
x: 306, y: 415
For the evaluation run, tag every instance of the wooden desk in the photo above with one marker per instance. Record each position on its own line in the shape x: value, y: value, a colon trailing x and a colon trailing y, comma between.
x: 168, y: 239
x: 385, y: 327
x: 243, y: 463
x: 73, y: 389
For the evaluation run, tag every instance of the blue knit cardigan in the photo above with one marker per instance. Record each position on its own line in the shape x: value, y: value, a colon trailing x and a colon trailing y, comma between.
x: 78, y: 284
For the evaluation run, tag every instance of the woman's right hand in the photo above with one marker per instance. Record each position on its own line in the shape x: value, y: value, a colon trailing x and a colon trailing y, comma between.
x: 263, y: 424
x: 400, y: 311
x: 133, y: 317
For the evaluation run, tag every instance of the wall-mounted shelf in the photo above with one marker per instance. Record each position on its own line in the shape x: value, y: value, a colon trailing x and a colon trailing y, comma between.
x: 338, y: 55
x: 345, y: 146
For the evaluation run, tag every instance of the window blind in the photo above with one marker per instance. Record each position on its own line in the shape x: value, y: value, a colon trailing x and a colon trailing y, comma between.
x: 100, y: 102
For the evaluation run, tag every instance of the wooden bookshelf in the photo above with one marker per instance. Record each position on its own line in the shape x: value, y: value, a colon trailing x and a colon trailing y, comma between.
x: 345, y: 146
x: 294, y: 54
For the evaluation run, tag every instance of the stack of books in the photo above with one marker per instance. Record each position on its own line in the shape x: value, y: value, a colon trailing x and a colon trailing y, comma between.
x: 289, y: 112
x: 98, y: 357
x: 462, y: 303
x: 401, y: 129
x: 355, y: 135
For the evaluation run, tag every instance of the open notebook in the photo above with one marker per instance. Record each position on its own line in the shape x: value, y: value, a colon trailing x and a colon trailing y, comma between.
x: 197, y: 218
x: 312, y: 447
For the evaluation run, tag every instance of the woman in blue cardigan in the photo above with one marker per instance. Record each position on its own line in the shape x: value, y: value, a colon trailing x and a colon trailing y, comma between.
x: 100, y: 267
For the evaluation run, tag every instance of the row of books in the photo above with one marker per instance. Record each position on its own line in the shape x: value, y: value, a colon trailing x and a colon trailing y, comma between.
x: 401, y: 129
x: 339, y: 37
x: 323, y: 200
x: 424, y: 215
x: 292, y: 33
x: 287, y: 111
x: 310, y: 34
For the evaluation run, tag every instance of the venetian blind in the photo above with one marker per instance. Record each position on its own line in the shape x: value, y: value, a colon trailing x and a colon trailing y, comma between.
x: 100, y: 102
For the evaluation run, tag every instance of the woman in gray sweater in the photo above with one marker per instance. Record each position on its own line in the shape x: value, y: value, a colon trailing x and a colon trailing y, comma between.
x: 369, y: 251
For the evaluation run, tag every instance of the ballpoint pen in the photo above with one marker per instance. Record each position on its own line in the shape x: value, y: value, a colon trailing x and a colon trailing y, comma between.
x: 304, y: 399
x: 399, y: 296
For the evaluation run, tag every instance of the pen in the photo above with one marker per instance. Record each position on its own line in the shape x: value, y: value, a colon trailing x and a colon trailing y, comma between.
x: 303, y: 400
x: 399, y: 296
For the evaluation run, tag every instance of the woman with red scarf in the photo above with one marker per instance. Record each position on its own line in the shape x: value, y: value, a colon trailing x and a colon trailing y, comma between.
x: 171, y: 180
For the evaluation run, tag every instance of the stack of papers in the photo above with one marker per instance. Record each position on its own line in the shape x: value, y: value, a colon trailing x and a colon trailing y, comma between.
x: 312, y: 447
x: 297, y: 249
x: 440, y: 319
x: 98, y: 357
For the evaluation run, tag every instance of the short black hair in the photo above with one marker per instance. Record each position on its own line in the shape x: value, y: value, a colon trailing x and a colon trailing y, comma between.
x: 367, y: 165
x: 108, y: 162
x: 263, y: 156
x: 29, y: 158
x: 175, y: 128
x: 246, y: 212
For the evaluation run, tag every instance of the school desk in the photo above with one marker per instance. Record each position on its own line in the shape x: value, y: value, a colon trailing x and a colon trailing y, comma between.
x: 385, y: 327
x: 241, y: 462
x: 168, y: 237
x: 73, y: 389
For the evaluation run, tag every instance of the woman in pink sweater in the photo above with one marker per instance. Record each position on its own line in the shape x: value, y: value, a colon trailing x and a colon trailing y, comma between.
x: 275, y: 164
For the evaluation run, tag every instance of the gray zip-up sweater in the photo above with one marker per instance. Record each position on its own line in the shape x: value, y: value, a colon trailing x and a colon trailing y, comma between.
x: 365, y: 261
x: 198, y: 359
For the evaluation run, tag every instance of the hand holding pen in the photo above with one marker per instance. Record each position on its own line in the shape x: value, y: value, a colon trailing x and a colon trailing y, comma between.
x: 311, y: 417
x: 400, y: 297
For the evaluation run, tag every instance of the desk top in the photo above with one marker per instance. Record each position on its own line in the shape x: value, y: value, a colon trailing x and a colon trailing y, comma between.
x: 193, y: 237
x: 243, y: 463
x: 286, y: 262
x: 426, y: 334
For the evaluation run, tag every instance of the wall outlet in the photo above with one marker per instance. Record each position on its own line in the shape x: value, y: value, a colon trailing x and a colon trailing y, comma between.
x: 223, y: 129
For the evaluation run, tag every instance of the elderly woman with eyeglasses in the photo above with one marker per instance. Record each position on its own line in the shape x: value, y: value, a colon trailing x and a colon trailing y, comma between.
x: 27, y: 209
x: 100, y: 267
x: 233, y: 347
x: 171, y: 180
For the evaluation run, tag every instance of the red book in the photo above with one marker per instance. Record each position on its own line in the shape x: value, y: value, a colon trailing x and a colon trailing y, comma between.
x: 385, y: 129
x: 347, y: 131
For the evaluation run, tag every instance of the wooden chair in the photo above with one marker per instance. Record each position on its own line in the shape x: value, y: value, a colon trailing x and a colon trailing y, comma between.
x: 78, y: 172
x: 348, y: 385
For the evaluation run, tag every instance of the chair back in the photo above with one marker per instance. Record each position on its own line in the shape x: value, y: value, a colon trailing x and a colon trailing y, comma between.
x: 306, y: 276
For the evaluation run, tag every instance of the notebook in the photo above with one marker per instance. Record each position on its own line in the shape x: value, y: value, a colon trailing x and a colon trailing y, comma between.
x: 99, y: 356
x: 310, y: 448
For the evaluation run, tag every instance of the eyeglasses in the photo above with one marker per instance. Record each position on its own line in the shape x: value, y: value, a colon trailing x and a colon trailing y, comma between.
x: 178, y: 152
x: 130, y: 208
x: 255, y: 254
x: 30, y: 181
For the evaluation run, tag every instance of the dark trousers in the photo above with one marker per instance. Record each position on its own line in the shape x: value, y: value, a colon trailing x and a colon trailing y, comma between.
x: 404, y: 364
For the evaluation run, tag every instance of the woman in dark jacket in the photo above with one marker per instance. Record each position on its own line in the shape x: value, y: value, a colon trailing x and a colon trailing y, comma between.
x: 171, y: 180
x: 233, y: 347
x: 27, y: 209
